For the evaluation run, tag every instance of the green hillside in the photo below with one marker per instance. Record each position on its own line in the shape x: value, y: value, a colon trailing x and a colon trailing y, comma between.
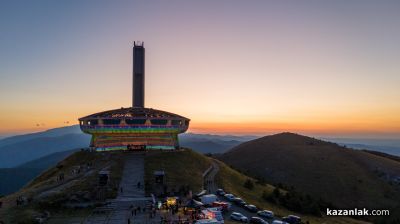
x: 344, y: 177
x: 183, y: 169
x: 47, y: 193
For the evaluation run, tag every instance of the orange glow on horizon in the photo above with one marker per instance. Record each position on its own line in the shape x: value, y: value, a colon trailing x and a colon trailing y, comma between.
x: 255, y: 128
x: 266, y: 128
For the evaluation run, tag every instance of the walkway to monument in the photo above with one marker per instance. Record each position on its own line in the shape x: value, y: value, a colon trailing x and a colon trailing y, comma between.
x: 130, y: 195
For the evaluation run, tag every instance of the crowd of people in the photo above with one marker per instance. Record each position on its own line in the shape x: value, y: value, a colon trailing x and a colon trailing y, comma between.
x: 135, y: 210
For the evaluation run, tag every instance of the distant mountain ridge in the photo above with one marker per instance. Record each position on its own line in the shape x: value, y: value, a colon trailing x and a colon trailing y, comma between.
x: 12, y: 155
x: 55, y: 132
x: 47, y: 161
x: 19, y: 149
x: 12, y: 179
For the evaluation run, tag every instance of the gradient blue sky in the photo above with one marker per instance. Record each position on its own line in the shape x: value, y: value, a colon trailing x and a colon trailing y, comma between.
x: 314, y: 67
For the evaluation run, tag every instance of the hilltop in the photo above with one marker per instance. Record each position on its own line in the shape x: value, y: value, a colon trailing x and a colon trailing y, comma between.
x: 345, y: 177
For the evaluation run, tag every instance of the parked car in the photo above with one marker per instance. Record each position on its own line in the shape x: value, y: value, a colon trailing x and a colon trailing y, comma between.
x: 266, y: 214
x: 208, y: 199
x: 238, y: 217
x: 224, y: 205
x: 220, y: 192
x: 230, y: 197
x: 292, y: 219
x: 198, y: 195
x: 279, y: 222
x: 257, y: 220
x: 239, y: 201
x: 251, y: 208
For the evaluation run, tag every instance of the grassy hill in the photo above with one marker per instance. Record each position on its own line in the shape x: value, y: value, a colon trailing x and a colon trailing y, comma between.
x: 344, y: 177
x: 233, y: 181
x: 47, y: 193
x: 184, y: 170
x: 23, y: 157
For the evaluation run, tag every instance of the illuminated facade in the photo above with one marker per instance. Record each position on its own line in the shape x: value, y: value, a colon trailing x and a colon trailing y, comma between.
x: 137, y: 127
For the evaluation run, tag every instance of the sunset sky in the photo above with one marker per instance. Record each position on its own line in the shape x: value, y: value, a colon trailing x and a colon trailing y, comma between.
x: 329, y: 68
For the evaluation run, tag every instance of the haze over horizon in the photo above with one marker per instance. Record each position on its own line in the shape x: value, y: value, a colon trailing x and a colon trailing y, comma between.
x: 316, y: 68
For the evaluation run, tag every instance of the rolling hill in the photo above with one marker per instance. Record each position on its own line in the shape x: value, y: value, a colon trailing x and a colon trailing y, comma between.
x: 183, y: 168
x: 17, y: 153
x: 13, y: 179
x: 344, y: 177
x: 54, y: 132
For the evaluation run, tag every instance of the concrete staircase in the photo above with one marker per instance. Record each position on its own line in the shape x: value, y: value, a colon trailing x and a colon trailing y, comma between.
x: 132, y: 175
x: 119, y: 210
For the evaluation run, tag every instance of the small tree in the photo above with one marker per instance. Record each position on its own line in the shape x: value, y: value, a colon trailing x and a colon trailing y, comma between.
x: 269, y: 197
x: 276, y: 192
x: 248, y: 184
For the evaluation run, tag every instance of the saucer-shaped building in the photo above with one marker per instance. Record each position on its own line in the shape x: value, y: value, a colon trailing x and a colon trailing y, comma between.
x: 137, y: 127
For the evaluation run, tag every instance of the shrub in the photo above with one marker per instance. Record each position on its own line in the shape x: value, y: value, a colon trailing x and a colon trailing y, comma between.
x: 276, y: 193
x: 294, y: 201
x: 269, y: 197
x: 248, y: 184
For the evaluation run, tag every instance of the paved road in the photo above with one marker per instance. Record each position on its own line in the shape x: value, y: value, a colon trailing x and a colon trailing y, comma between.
x: 236, y: 208
x: 209, y: 179
x: 212, y: 187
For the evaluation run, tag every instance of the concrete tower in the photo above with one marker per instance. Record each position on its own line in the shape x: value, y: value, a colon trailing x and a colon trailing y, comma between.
x: 138, y: 75
x: 135, y: 128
